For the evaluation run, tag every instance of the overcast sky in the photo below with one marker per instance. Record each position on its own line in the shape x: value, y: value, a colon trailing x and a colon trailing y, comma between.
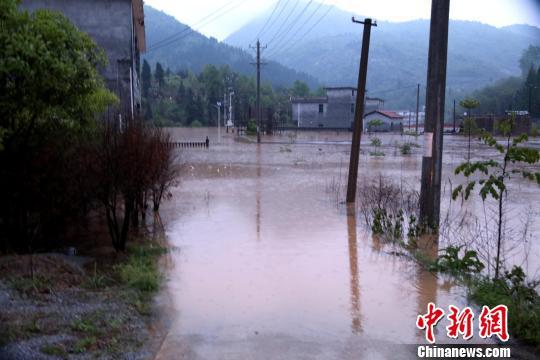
x: 493, y: 12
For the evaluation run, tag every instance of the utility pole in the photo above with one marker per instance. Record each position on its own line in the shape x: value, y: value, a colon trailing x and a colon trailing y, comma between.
x: 359, y: 110
x: 417, y: 106
x: 258, y: 64
x: 430, y: 191
x: 454, y: 116
x: 225, y: 112
x: 231, y: 93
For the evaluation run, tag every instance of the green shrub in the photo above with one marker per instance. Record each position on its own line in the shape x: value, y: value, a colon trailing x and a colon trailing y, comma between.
x: 520, y: 297
x: 376, y: 142
x: 140, y: 271
x: 450, y: 261
x: 196, y: 124
x: 251, y: 128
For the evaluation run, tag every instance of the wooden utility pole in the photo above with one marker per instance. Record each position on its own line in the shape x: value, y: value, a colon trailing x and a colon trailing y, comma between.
x: 258, y: 64
x: 417, y: 106
x: 430, y: 191
x: 359, y: 110
x: 454, y: 116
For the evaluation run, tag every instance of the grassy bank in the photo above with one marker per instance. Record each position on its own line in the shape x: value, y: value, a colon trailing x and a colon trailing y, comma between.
x: 78, y: 307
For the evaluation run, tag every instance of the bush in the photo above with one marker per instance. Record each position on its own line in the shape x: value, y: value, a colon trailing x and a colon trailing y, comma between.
x: 196, y: 124
x: 450, y: 261
x: 406, y: 148
x: 520, y: 297
x: 251, y: 128
x: 375, y: 141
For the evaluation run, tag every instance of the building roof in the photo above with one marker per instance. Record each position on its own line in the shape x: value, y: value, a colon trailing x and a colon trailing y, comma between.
x: 389, y: 114
x: 374, y: 98
x: 138, y: 21
x: 309, y: 100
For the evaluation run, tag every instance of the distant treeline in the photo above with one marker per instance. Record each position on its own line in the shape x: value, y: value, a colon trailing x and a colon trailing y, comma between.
x: 184, y: 98
x: 514, y: 93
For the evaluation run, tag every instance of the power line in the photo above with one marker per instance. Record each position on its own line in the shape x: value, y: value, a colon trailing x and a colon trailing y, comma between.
x: 269, y: 18
x: 284, y: 44
x: 190, y: 30
x: 309, y: 30
x: 295, y: 21
x: 284, y: 22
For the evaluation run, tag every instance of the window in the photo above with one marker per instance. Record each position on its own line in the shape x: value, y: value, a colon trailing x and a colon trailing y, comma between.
x: 352, y: 108
x: 321, y: 108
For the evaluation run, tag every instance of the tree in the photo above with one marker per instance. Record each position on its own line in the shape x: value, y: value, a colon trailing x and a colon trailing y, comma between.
x: 50, y: 93
x: 146, y: 79
x: 469, y: 125
x: 160, y: 75
x: 300, y: 89
x: 529, y: 58
x: 499, y: 172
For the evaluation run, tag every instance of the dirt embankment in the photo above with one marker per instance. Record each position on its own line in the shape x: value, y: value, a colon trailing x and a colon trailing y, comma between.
x: 72, y: 307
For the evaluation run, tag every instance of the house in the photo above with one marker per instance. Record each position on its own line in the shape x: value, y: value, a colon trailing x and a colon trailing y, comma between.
x: 117, y: 26
x: 333, y: 111
x: 379, y: 120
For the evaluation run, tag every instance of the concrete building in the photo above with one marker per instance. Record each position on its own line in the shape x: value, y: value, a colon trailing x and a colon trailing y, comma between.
x: 117, y: 26
x: 388, y: 121
x: 333, y: 111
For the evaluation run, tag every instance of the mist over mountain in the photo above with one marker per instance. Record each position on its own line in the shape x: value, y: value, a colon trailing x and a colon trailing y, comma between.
x: 326, y: 44
x: 190, y: 50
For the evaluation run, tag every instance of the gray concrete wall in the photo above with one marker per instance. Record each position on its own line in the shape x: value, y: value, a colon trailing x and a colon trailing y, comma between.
x: 110, y: 24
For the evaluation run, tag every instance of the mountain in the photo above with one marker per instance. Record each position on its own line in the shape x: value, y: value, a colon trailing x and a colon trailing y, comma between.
x: 190, y: 50
x: 478, y: 54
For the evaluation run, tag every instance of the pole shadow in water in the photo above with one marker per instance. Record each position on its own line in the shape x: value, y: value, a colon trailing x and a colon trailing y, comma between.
x: 356, y: 325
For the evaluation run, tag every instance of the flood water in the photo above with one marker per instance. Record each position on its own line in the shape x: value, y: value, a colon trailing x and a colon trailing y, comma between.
x: 267, y: 264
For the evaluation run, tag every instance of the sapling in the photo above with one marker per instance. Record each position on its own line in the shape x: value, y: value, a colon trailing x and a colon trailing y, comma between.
x: 498, y: 172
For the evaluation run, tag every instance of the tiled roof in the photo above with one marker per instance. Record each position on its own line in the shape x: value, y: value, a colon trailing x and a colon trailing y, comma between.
x: 389, y: 114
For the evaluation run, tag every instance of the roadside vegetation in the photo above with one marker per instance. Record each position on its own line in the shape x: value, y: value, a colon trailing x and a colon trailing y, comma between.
x: 184, y: 98
x: 73, y: 181
x: 477, y: 259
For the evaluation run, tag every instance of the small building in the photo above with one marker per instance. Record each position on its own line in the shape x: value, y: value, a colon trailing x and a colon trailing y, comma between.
x: 117, y: 26
x: 385, y: 120
x: 333, y: 111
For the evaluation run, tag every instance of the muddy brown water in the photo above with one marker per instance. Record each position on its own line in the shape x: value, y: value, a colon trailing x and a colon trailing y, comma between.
x: 268, y: 265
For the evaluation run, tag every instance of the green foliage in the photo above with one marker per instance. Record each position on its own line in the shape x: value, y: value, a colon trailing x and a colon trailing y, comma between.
x: 451, y: 262
x: 375, y: 141
x: 388, y: 225
x: 146, y: 79
x: 374, y: 123
x: 43, y: 82
x: 530, y: 58
x: 519, y: 296
x: 300, y: 88
x: 196, y: 124
x: 140, y: 272
x: 54, y: 350
x: 251, y: 127
x: 496, y: 173
x: 406, y: 148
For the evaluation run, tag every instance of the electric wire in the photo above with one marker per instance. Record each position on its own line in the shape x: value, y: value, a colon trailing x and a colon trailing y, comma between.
x: 268, y: 20
x: 283, y: 23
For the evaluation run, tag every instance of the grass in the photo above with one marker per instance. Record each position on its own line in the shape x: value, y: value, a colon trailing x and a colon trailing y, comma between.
x: 140, y: 271
x: 26, y: 284
x: 54, y: 350
x: 84, y: 344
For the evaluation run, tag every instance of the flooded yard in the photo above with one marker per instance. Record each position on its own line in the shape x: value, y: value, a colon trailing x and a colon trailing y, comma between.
x: 269, y: 264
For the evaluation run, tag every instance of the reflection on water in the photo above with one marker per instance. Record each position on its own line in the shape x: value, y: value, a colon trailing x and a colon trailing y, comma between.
x: 353, y: 265
x: 269, y: 267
